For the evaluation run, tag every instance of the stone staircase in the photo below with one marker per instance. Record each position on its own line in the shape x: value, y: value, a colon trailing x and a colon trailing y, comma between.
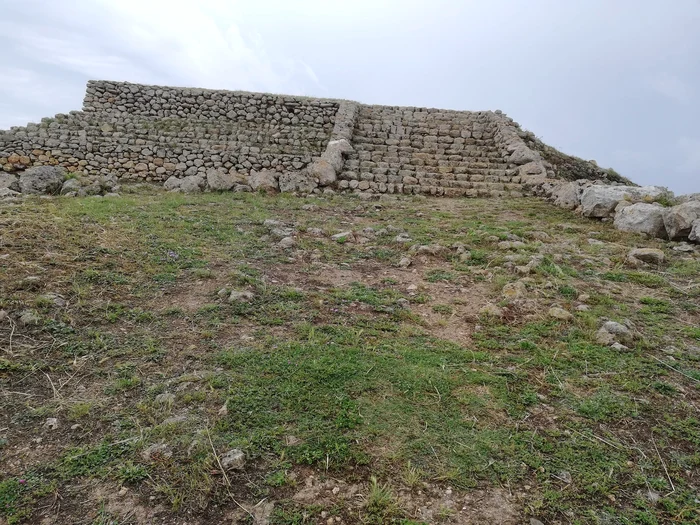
x: 426, y: 151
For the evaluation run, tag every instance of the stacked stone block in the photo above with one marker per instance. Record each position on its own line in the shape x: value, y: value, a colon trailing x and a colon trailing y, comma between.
x: 150, y: 133
x: 429, y: 151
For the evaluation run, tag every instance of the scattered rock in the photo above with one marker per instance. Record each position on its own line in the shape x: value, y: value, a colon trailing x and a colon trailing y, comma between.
x: 511, y: 245
x: 582, y: 308
x: 618, y: 346
x: 434, y: 250
x: 612, y: 332
x: 8, y: 193
x: 165, y: 398
x: 241, y: 296
x: 343, y: 237
x: 315, y: 232
x: 287, y: 243
x: 29, y: 317
x: 683, y: 247
x: 233, y: 460
x: 559, y: 313
x: 638, y: 256
x: 405, y: 262
x: 9, y: 181
x: 51, y: 423
x: 514, y: 290
x: 491, y: 310
x: 156, y: 450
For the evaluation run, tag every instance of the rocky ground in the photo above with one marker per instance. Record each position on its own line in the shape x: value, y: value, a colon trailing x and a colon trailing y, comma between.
x: 240, y: 358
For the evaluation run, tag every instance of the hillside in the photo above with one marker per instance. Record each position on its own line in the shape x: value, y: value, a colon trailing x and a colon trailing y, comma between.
x: 241, y: 358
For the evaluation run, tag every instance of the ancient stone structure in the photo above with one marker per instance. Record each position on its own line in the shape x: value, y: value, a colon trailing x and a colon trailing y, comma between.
x: 148, y: 133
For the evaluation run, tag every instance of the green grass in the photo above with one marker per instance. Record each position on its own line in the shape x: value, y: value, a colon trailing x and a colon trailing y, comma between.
x: 337, y: 368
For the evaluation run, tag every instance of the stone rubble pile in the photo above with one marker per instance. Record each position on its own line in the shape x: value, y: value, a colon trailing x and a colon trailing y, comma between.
x: 649, y: 210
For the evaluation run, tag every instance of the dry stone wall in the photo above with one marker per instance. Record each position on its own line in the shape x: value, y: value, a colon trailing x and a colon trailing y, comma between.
x: 149, y: 133
x: 431, y: 151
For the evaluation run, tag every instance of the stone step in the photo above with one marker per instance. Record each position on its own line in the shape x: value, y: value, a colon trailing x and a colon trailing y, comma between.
x: 475, y: 190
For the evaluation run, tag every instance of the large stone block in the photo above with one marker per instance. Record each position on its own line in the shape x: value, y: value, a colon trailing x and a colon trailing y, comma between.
x: 42, y: 180
x: 679, y: 219
x: 642, y: 218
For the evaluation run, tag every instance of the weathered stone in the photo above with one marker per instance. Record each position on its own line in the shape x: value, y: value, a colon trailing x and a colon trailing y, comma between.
x: 560, y: 314
x: 219, y: 180
x: 233, y: 460
x: 694, y: 234
x: 642, y: 218
x: 263, y: 181
x: 296, y: 181
x: 322, y: 171
x: 10, y: 181
x: 238, y: 296
x: 679, y: 219
x: 646, y: 255
x: 172, y: 183
x: 69, y: 186
x: 42, y: 180
x: 192, y: 184
x: 600, y: 201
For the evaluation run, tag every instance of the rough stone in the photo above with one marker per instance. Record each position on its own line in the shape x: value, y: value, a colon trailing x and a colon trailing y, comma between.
x: 8, y: 180
x: 694, y: 234
x: 559, y: 313
x: 292, y: 182
x: 263, y: 181
x: 192, y: 184
x: 218, y: 180
x: 233, y: 460
x: 42, y: 180
x: 70, y: 186
x: 322, y: 171
x: 241, y: 296
x: 679, y: 219
x: 642, y: 218
x: 172, y: 183
x: 646, y: 255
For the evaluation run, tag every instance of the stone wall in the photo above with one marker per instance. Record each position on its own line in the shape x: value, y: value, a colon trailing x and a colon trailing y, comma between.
x: 150, y: 133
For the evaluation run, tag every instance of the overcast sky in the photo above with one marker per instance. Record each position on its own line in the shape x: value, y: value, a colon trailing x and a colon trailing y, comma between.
x: 617, y: 81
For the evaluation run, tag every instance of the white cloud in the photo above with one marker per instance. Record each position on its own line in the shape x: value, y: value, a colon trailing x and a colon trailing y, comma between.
x: 170, y: 42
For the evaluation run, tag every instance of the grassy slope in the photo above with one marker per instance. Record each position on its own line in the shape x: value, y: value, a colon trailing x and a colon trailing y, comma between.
x: 404, y: 399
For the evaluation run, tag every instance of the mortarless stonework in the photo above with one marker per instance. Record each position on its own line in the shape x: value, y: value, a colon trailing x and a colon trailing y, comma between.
x: 150, y: 133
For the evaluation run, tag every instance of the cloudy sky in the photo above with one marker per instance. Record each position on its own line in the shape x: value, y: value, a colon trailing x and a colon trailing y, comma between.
x: 617, y: 81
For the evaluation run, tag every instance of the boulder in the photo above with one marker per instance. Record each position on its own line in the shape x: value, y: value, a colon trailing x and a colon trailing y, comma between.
x: 679, y: 220
x: 219, y: 180
x: 523, y: 155
x: 264, y: 181
x: 7, y: 180
x: 70, y: 186
x: 7, y: 192
x: 42, y: 180
x: 172, y: 183
x: 334, y: 153
x: 296, y: 181
x: 322, y: 171
x: 694, y: 234
x: 600, y: 201
x: 192, y: 184
x: 567, y: 195
x: 638, y: 256
x: 642, y: 218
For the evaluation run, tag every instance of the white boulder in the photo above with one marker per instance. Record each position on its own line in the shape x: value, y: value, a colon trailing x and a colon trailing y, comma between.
x: 642, y: 218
